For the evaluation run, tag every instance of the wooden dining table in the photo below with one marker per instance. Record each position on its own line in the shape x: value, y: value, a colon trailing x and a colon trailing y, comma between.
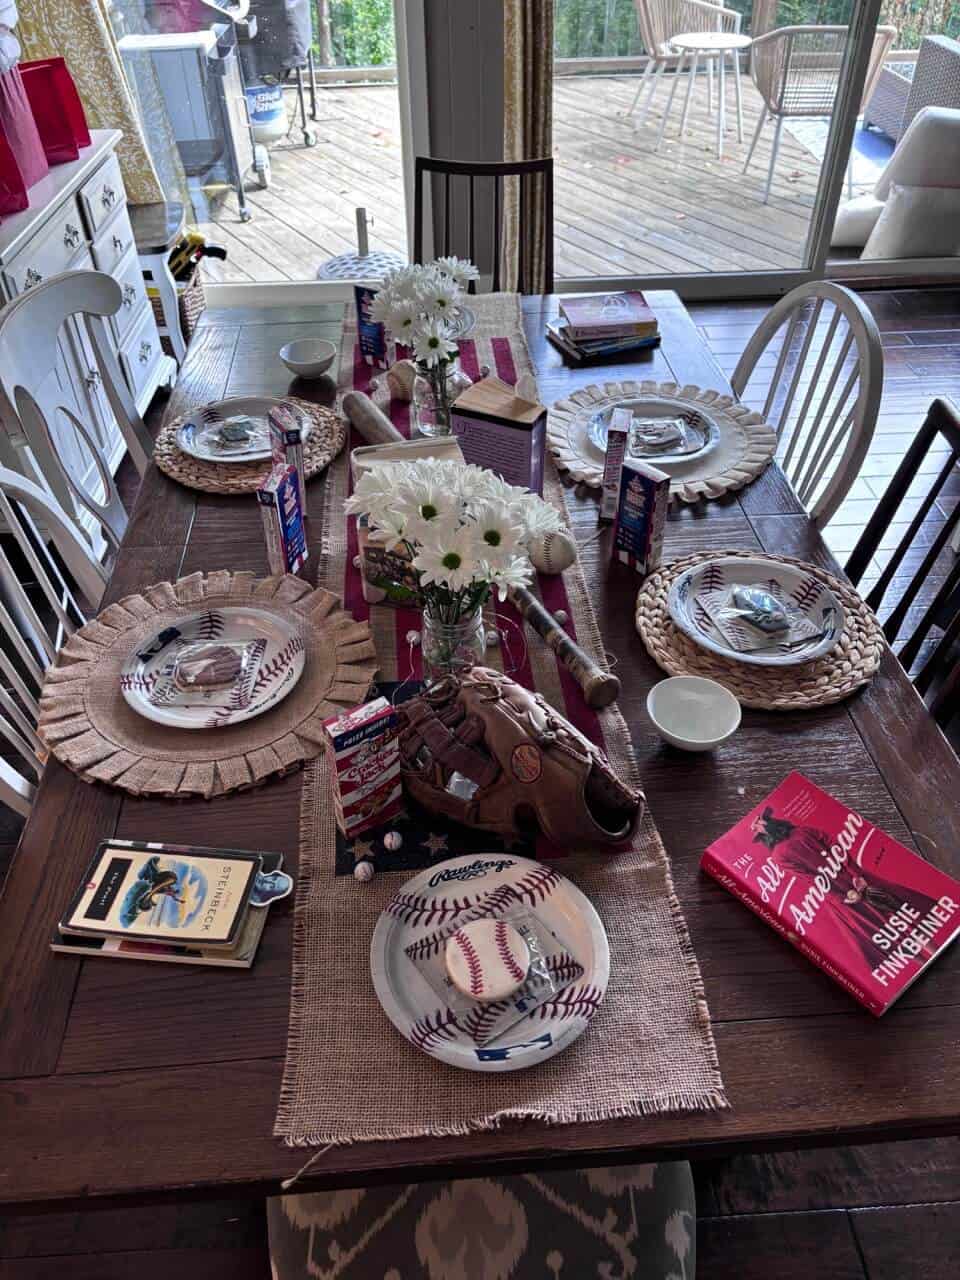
x: 132, y: 1082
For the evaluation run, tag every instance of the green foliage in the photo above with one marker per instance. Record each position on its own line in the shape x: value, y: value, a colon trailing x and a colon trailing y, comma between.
x: 361, y: 32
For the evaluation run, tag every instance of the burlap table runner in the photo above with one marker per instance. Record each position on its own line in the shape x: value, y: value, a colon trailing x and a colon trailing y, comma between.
x: 349, y: 1076
x: 89, y: 726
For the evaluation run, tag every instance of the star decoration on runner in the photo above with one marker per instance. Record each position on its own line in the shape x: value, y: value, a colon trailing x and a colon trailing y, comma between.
x: 435, y: 844
x: 362, y: 849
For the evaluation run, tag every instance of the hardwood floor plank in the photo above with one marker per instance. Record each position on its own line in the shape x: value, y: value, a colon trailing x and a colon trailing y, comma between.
x: 915, y: 1242
x: 186, y: 1264
x: 787, y: 1246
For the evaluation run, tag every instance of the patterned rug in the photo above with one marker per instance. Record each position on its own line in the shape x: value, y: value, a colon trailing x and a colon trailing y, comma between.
x: 349, y: 1076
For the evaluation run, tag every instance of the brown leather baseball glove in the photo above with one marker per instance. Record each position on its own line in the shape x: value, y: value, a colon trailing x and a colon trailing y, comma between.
x: 488, y: 753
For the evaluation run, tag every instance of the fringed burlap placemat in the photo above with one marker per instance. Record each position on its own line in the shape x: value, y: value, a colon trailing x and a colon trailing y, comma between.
x: 327, y: 437
x: 809, y: 684
x: 89, y: 726
x: 745, y: 445
x: 349, y: 1076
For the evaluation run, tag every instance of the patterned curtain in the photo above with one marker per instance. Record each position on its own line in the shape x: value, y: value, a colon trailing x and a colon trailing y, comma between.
x: 80, y: 31
x: 528, y: 135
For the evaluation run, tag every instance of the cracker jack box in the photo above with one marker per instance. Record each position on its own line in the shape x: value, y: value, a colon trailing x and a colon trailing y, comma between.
x: 283, y: 525
x: 618, y: 433
x: 500, y: 431
x: 286, y: 445
x: 388, y: 576
x: 641, y: 515
x: 366, y: 752
x: 371, y: 334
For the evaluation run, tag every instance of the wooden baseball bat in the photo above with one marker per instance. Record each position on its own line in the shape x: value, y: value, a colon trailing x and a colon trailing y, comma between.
x: 600, y: 687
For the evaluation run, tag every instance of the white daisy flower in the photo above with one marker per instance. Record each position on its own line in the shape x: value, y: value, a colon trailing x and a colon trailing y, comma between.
x: 438, y: 295
x: 449, y: 559
x: 430, y: 507
x: 540, y: 517
x: 517, y: 572
x: 431, y: 343
x: 401, y: 318
x: 498, y: 533
x: 387, y: 525
x: 459, y: 269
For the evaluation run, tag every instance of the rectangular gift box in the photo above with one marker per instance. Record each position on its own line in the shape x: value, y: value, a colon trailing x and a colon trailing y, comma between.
x: 283, y: 524
x: 500, y: 431
x: 366, y: 752
x: 868, y: 911
x: 641, y: 515
x: 386, y: 572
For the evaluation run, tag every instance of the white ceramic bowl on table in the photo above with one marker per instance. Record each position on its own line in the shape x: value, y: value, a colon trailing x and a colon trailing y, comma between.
x: 692, y: 712
x: 309, y: 357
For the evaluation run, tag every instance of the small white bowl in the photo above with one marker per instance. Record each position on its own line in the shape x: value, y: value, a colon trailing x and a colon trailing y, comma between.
x: 693, y: 713
x: 308, y: 357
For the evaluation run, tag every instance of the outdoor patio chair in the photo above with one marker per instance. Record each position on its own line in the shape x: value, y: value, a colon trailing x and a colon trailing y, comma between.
x: 824, y: 394
x: 797, y: 71
x: 658, y: 20
x: 903, y: 89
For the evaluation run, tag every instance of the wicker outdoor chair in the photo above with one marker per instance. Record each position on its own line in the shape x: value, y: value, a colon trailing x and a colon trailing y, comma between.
x: 903, y: 89
x: 797, y: 71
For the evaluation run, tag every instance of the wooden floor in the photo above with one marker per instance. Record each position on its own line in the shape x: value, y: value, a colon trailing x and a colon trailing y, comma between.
x: 621, y: 208
x: 884, y: 1212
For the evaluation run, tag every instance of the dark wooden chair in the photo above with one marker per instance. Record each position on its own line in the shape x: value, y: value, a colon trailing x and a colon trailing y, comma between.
x: 939, y: 669
x: 485, y: 174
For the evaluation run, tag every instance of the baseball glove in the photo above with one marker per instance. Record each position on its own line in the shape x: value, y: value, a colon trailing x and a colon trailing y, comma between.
x: 488, y: 753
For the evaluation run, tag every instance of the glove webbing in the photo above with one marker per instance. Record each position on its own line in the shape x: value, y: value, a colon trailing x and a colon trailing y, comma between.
x: 449, y: 749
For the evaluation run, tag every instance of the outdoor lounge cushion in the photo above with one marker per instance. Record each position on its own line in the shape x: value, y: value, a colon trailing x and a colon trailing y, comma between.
x: 917, y: 222
x: 928, y: 155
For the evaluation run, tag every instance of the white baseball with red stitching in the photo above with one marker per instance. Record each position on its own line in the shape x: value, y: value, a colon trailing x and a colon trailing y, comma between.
x: 487, y: 959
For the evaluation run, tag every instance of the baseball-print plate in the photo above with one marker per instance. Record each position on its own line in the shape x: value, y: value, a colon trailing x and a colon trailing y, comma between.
x: 274, y: 653
x: 694, y: 590
x: 432, y: 901
x: 200, y: 434
x: 698, y: 430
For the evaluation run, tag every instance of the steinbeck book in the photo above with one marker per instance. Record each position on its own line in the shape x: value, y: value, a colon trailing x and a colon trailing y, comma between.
x: 871, y: 913
x: 607, y: 315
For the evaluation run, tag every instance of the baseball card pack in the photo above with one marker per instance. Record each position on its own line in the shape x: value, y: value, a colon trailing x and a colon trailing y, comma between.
x: 618, y: 433
x: 283, y: 522
x: 366, y: 752
x: 641, y: 515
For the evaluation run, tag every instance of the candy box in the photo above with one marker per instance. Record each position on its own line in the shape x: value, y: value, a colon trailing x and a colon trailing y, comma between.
x: 618, y: 433
x: 641, y: 515
x: 283, y: 526
x: 366, y: 752
x: 286, y: 445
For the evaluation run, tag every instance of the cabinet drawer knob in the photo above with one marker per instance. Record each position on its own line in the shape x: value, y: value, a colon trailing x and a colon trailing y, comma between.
x: 145, y: 349
x: 32, y: 277
x: 93, y: 379
x: 129, y: 293
x: 118, y: 244
x: 108, y: 197
x: 71, y: 236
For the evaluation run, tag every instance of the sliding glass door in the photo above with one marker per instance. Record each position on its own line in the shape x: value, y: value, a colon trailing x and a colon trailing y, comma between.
x: 717, y: 163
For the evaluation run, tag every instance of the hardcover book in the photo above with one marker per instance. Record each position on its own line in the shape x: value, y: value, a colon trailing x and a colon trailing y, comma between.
x: 607, y: 315
x: 164, y: 893
x: 872, y: 914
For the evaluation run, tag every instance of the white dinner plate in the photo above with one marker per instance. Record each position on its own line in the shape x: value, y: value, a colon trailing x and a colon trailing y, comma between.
x: 276, y: 664
x: 198, y: 436
x: 791, y: 584
x: 432, y: 900
x: 699, y: 428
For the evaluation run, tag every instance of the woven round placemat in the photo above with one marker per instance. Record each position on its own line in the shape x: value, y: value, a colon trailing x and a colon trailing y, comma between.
x: 88, y: 725
x: 327, y: 437
x: 745, y: 446
x: 810, y: 684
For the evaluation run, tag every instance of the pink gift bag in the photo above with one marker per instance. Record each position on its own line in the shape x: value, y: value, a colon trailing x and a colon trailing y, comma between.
x: 57, y: 109
x: 24, y: 150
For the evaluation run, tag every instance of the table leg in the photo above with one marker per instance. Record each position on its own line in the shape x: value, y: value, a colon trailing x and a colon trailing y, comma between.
x: 721, y: 105
x: 709, y: 86
x: 736, y: 82
x: 673, y: 90
x: 686, y: 103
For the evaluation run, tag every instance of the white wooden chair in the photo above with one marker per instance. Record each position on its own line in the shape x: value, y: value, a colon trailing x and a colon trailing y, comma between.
x: 797, y: 70
x: 53, y: 415
x: 658, y: 20
x: 824, y: 393
x: 33, y: 630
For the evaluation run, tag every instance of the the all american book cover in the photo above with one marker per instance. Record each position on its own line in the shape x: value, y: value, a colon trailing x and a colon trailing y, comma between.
x: 867, y: 910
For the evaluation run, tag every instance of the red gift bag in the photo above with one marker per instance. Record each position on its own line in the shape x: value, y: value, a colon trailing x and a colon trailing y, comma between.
x: 57, y: 108
x: 23, y: 159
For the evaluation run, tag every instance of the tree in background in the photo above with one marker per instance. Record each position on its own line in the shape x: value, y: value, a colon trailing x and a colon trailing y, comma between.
x: 354, y: 33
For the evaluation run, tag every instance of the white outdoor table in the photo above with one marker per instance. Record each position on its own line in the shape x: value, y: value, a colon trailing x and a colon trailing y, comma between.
x: 709, y: 46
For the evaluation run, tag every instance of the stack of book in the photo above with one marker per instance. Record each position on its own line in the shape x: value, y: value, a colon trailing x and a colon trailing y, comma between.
x: 172, y: 903
x: 594, y: 327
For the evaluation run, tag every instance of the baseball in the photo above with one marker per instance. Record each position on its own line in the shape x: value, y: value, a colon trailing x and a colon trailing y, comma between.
x: 487, y: 959
x: 553, y: 552
x: 392, y: 841
x: 363, y: 870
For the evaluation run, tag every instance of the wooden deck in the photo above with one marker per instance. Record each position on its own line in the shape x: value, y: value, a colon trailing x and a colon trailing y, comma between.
x: 621, y: 208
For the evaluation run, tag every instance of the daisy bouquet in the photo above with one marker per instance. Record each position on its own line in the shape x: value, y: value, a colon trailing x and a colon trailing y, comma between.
x: 465, y: 530
x: 421, y: 305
